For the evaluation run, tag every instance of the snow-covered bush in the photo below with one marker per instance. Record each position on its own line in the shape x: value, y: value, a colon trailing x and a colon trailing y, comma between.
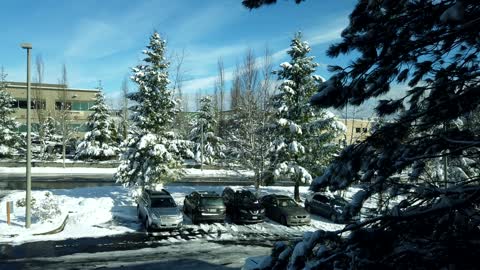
x: 22, y: 203
x: 47, y: 208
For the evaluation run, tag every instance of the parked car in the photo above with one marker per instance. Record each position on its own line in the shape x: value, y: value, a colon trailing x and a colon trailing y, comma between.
x: 203, y: 206
x: 284, y: 210
x: 330, y: 207
x: 158, y: 210
x: 243, y: 206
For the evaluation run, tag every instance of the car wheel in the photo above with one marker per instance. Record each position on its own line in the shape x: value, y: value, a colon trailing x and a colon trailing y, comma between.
x: 283, y: 221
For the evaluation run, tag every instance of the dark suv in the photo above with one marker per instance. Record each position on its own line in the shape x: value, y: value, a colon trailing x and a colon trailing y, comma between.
x: 203, y: 206
x: 158, y: 210
x: 243, y: 206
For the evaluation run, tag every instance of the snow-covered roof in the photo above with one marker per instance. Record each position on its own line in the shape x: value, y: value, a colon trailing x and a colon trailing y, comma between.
x: 47, y: 86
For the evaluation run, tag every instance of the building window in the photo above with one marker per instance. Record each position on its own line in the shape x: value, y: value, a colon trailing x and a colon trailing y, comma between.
x: 358, y: 130
x: 22, y: 104
x: 79, y: 127
x: 82, y: 105
x: 59, y: 105
x: 38, y: 104
x: 365, y: 130
x: 22, y: 128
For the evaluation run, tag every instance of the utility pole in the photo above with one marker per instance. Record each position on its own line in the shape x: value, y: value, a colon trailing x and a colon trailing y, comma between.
x: 28, y: 221
x: 201, y: 148
x: 445, y: 159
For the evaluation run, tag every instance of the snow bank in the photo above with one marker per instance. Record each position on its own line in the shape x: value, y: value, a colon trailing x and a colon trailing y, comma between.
x: 90, y: 211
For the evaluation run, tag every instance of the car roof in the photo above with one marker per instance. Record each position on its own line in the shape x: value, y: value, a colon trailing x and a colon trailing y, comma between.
x: 277, y: 196
x: 158, y: 193
x: 207, y: 194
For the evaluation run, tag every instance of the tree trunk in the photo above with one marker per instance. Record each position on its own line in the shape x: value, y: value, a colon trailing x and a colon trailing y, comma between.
x: 257, y: 180
x: 63, y: 154
x: 296, y: 192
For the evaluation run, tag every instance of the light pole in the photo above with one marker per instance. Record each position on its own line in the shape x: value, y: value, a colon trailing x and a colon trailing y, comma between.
x: 201, y: 149
x: 28, y: 221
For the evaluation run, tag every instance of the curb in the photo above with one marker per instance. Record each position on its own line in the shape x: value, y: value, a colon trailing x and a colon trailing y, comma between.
x: 57, y: 230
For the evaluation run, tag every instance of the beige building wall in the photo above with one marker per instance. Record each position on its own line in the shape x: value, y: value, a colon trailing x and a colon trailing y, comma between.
x: 49, y: 95
x: 357, y: 130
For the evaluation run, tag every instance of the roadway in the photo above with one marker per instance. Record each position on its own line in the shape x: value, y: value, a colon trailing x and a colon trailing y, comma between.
x: 184, y: 250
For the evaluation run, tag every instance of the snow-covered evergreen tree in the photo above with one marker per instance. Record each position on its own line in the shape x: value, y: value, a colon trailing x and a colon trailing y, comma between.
x: 204, y: 128
x: 101, y: 141
x: 303, y: 134
x: 50, y: 138
x: 10, y: 141
x: 151, y: 153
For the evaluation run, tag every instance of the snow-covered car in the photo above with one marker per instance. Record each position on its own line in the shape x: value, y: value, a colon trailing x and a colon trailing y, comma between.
x: 243, y: 206
x: 158, y: 210
x: 284, y: 210
x: 330, y: 207
x: 204, y: 206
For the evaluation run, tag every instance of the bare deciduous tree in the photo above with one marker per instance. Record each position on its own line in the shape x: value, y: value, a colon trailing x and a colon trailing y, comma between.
x: 220, y: 97
x: 249, y: 103
x: 63, y: 108
x: 39, y: 103
x: 125, y: 108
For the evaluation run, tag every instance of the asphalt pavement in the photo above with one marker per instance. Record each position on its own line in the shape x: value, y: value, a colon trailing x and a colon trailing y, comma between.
x: 133, y: 251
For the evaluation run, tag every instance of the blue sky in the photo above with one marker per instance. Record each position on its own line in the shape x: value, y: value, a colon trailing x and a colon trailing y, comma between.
x: 102, y: 40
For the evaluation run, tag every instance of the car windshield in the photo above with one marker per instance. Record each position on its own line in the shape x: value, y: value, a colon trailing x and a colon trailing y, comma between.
x: 339, y: 201
x: 286, y: 203
x: 211, y: 202
x: 163, y: 202
x: 248, y: 198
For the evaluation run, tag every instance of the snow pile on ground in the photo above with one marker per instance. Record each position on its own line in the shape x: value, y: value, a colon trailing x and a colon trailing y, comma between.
x: 87, y: 209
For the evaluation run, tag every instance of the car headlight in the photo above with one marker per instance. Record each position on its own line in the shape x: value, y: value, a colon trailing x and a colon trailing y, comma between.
x: 243, y: 211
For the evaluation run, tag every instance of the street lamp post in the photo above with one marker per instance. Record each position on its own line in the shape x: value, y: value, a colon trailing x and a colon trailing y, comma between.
x: 28, y: 221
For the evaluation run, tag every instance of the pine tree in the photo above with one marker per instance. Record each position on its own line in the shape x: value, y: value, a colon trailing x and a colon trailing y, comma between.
x: 151, y: 153
x: 50, y: 138
x: 431, y: 49
x: 303, y: 134
x: 100, y: 142
x: 10, y: 141
x: 203, y: 133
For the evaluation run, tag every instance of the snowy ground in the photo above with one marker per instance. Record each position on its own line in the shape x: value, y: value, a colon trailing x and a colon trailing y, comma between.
x: 102, y: 211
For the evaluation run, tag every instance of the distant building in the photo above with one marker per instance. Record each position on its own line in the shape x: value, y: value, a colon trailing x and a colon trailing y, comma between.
x: 357, y: 130
x: 47, y: 101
